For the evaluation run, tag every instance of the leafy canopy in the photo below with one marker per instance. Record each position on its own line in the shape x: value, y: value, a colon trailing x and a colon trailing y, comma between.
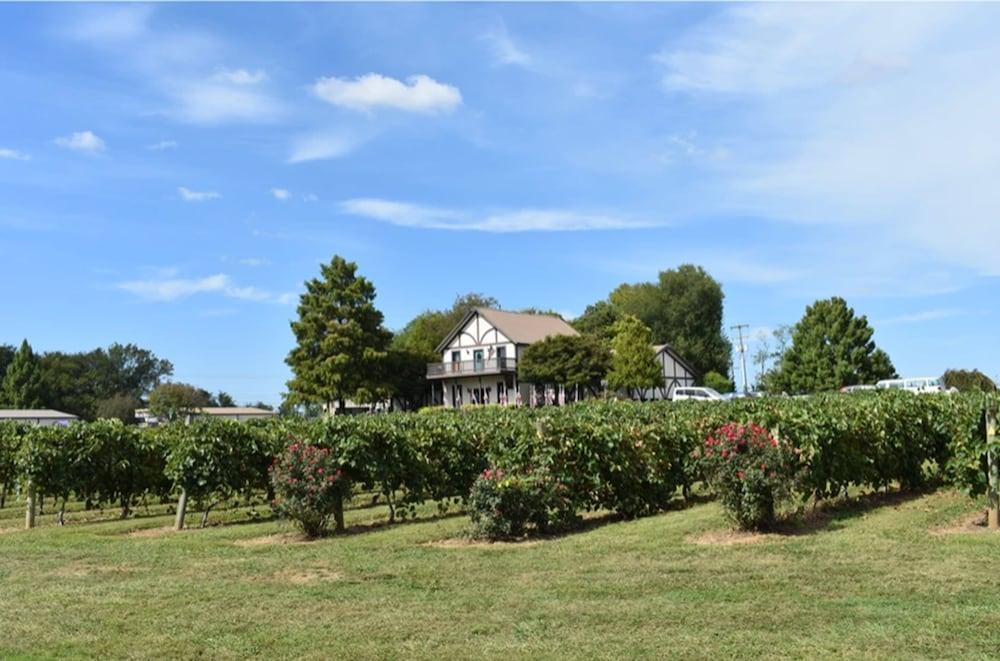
x: 683, y: 309
x: 173, y: 401
x: 633, y: 361
x: 22, y: 383
x: 968, y: 381
x: 570, y: 360
x: 831, y: 348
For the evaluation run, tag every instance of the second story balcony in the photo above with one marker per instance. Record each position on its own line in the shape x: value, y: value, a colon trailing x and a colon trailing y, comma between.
x: 460, y: 368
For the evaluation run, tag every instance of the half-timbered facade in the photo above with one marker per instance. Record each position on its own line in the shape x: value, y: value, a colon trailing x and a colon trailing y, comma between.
x: 479, y: 357
x: 677, y: 373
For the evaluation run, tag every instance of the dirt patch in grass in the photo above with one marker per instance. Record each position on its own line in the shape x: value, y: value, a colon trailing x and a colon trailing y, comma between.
x: 969, y: 523
x: 306, y: 576
x: 468, y: 543
x: 275, y: 539
x: 731, y: 538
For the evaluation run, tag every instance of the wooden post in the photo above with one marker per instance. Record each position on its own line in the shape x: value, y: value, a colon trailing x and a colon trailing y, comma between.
x: 181, y: 510
x: 29, y: 512
x: 993, y: 466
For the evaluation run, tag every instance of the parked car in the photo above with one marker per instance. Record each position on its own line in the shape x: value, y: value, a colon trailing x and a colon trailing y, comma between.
x: 699, y: 393
x: 925, y: 384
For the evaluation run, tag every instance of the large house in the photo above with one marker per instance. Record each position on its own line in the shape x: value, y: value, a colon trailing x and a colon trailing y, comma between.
x: 44, y: 417
x: 479, y: 359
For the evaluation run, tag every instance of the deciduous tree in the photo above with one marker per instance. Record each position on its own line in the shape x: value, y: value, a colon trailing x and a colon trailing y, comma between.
x: 22, y: 383
x: 633, y: 361
x: 568, y: 360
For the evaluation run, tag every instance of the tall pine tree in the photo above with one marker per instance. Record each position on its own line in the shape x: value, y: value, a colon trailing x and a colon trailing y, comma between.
x: 340, y: 341
x: 22, y: 384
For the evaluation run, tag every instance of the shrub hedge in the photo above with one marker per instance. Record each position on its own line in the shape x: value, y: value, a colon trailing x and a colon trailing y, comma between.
x: 627, y: 457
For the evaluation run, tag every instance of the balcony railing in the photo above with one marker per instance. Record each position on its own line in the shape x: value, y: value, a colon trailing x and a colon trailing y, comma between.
x: 471, y: 367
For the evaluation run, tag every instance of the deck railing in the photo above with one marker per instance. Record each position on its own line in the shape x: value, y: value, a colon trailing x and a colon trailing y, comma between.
x: 471, y: 367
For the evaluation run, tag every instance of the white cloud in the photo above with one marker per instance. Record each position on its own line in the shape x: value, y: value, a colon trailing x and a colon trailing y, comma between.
x: 13, y: 155
x: 162, y: 145
x: 189, y: 195
x: 420, y: 94
x: 879, y: 118
x: 212, y: 102
x: 310, y: 197
x: 281, y: 194
x: 166, y: 290
x: 322, y: 146
x: 239, y: 76
x: 254, y: 262
x: 519, y: 220
x: 504, y: 50
x: 82, y: 141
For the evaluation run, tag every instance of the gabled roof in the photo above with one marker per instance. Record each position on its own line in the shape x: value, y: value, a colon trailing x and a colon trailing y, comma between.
x: 518, y: 327
x: 670, y: 351
x: 34, y: 414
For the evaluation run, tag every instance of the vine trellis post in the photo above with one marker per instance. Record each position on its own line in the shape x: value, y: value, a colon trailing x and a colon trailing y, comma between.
x: 993, y: 468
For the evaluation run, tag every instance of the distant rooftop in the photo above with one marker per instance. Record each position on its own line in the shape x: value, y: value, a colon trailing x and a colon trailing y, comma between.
x: 221, y: 411
x: 34, y: 414
x: 518, y: 327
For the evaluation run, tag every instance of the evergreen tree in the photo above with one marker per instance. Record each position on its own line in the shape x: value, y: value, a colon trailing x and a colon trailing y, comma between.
x: 633, y: 360
x: 22, y: 383
x: 831, y: 348
x: 340, y: 341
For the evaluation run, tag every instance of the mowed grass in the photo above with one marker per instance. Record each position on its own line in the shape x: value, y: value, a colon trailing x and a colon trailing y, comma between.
x: 874, y: 582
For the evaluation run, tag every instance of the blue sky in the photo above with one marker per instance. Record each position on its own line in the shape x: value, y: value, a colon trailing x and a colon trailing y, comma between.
x: 171, y: 174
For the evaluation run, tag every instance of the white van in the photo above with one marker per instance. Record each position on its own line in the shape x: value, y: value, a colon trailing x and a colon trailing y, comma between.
x: 703, y: 394
x: 923, y: 384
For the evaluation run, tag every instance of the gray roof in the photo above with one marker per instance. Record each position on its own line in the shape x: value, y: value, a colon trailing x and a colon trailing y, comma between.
x: 34, y: 414
x: 221, y: 411
x: 518, y: 327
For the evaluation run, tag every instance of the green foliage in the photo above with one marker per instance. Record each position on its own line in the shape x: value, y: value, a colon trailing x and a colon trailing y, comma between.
x: 633, y: 361
x: 213, y: 460
x: 118, y: 407
x: 309, y: 487
x: 22, y: 383
x: 569, y: 360
x: 831, y: 348
x: 968, y: 381
x: 176, y: 401
x: 750, y: 471
x: 598, y: 320
x: 683, y: 309
x: 340, y: 340
x: 718, y: 382
x: 502, y: 506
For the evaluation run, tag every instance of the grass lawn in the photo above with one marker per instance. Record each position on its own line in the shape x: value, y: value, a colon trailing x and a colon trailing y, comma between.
x: 872, y: 582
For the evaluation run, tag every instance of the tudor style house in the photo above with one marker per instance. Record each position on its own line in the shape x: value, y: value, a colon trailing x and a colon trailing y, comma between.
x: 479, y: 359
x: 479, y: 356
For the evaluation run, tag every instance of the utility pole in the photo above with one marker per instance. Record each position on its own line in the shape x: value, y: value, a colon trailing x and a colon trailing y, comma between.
x: 743, y: 353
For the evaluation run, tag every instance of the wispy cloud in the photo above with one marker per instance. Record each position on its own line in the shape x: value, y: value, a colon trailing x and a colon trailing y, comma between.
x: 172, y: 60
x: 239, y: 76
x: 419, y: 94
x: 322, y: 146
x: 162, y: 145
x: 82, y: 141
x: 922, y: 316
x: 13, y: 155
x: 517, y: 220
x: 504, y: 50
x: 254, y: 262
x: 189, y: 195
x: 822, y: 86
x: 166, y: 290
x: 281, y: 194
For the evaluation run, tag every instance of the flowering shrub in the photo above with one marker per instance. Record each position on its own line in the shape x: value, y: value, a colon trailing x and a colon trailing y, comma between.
x: 750, y: 471
x: 504, y: 505
x: 309, y: 487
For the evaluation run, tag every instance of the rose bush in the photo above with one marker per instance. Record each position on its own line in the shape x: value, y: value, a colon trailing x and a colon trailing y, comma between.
x: 750, y: 471
x: 309, y: 487
x: 504, y: 505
